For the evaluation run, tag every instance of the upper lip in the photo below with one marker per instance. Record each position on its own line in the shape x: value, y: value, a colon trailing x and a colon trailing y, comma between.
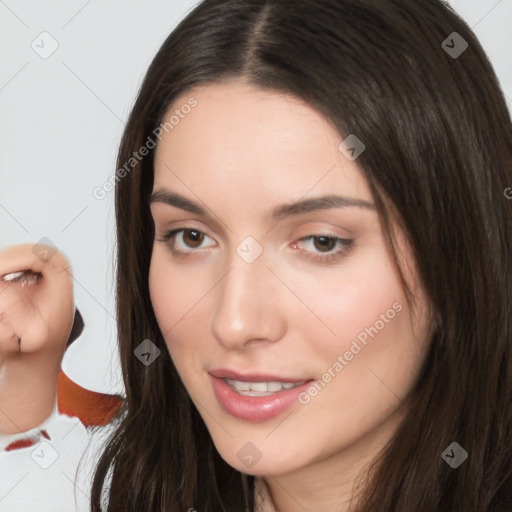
x: 224, y: 373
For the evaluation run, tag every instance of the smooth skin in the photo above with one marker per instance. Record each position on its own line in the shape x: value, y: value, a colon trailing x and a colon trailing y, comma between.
x: 36, y: 317
x: 240, y: 153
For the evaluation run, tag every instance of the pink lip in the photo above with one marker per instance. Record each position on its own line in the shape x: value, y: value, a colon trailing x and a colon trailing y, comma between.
x: 255, y: 408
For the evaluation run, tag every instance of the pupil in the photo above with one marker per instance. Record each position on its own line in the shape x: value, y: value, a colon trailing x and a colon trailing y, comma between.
x: 326, y: 243
x: 194, y: 236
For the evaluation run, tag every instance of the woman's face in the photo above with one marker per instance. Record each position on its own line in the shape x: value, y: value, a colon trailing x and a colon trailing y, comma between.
x: 265, y: 284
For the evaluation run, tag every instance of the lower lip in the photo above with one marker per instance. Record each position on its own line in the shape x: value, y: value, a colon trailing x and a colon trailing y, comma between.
x: 255, y: 408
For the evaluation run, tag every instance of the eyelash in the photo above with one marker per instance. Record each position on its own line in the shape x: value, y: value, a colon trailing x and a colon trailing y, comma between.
x: 347, y: 246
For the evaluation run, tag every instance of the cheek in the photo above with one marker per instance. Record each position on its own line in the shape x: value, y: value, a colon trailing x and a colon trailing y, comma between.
x: 168, y: 290
x: 175, y: 295
x: 163, y: 286
x: 374, y: 355
x: 363, y: 297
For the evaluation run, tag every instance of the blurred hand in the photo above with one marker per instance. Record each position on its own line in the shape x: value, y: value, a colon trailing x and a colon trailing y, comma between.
x: 36, y: 316
x: 36, y: 302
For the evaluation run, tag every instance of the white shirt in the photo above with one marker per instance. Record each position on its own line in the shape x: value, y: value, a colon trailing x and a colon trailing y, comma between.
x: 43, y: 477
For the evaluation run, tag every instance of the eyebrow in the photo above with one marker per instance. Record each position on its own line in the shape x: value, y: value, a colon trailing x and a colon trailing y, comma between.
x: 278, y: 213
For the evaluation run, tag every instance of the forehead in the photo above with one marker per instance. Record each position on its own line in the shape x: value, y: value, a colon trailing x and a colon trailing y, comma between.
x: 240, y: 136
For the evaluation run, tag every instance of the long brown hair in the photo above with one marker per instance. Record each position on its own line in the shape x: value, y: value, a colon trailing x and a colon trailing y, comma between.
x: 438, y: 140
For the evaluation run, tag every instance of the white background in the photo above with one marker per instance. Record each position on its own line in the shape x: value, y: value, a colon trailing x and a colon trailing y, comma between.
x: 62, y: 119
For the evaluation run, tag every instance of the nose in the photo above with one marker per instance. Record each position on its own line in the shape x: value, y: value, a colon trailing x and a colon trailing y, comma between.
x: 248, y: 309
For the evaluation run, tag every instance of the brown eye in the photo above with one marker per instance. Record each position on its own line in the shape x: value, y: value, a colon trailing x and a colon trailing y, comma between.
x: 324, y: 243
x: 325, y: 248
x: 193, y: 237
x: 184, y: 241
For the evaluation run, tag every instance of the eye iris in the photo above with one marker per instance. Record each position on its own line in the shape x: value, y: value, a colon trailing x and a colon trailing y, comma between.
x: 196, y: 237
x: 326, y: 243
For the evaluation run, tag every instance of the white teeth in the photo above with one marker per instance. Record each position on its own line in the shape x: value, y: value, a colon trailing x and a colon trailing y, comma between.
x: 275, y: 386
x: 241, y: 386
x: 261, y: 388
x: 258, y: 386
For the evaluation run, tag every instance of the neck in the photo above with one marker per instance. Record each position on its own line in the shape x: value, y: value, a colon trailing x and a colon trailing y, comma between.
x: 28, y: 391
